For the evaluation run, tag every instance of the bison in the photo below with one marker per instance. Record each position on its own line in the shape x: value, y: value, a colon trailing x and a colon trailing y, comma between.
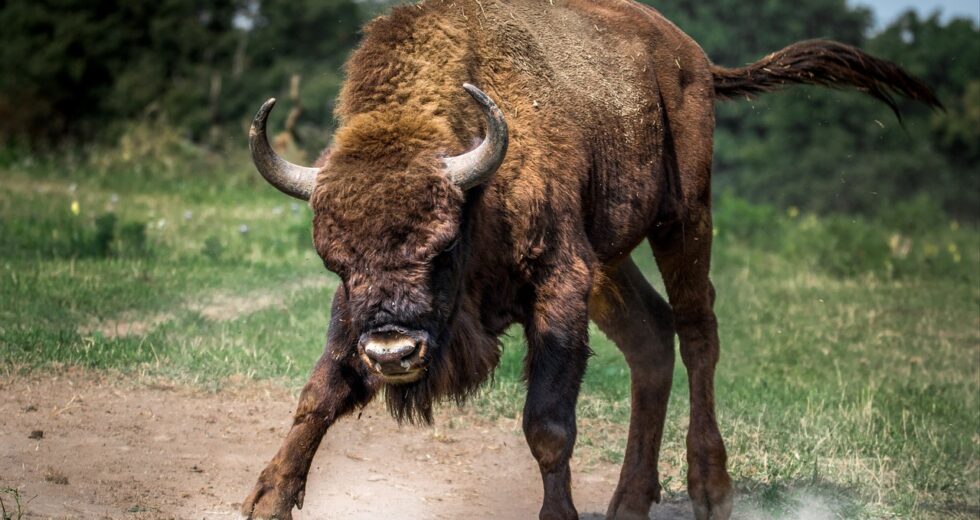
x: 450, y: 213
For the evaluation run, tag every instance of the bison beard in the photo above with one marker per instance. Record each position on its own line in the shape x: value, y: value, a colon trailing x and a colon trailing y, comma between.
x: 457, y: 370
x: 610, y: 114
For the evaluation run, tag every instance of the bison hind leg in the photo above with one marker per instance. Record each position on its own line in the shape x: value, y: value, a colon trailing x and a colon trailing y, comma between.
x: 638, y: 320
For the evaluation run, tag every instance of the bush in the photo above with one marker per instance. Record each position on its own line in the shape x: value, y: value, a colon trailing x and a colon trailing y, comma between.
x: 757, y: 225
x: 908, y: 239
x: 213, y: 249
x: 105, y: 234
x: 918, y: 216
x: 148, y: 149
x: 62, y: 234
x: 842, y: 246
x: 132, y: 239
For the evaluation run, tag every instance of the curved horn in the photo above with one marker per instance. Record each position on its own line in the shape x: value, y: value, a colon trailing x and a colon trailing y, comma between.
x: 291, y: 179
x: 476, y: 166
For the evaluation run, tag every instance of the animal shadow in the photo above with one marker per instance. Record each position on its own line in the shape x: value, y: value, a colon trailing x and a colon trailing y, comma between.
x: 674, y: 510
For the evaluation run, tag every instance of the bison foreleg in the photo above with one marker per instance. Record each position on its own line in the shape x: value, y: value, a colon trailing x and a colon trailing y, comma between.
x: 333, y: 390
x: 557, y: 355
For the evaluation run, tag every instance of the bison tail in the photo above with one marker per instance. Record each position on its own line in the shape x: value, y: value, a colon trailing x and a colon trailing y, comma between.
x: 824, y: 63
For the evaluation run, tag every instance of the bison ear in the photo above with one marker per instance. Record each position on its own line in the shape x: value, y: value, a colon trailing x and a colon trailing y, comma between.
x: 475, y: 167
x: 293, y: 180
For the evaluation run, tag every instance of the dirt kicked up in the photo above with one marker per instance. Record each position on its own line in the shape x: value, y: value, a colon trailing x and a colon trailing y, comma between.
x: 84, y: 445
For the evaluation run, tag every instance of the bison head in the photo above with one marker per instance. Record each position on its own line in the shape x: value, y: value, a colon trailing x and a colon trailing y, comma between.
x: 390, y: 221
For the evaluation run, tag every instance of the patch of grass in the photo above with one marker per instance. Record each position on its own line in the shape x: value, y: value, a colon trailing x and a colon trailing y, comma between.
x: 11, y: 506
x: 55, y: 476
x: 850, y: 347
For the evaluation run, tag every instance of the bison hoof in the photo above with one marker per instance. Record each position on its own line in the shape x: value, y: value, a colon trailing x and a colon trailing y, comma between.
x: 714, y: 505
x: 633, y: 497
x: 269, y: 501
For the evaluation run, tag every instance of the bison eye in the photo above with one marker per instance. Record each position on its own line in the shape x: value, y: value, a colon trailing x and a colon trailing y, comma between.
x: 452, y: 246
x: 445, y: 257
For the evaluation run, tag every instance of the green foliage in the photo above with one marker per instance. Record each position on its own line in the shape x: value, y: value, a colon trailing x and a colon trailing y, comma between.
x: 829, y: 151
x: 105, y: 233
x: 213, y: 248
x: 68, y: 66
x: 79, y: 69
x: 158, y: 77
x: 753, y: 224
x: 913, y: 238
x: 61, y: 234
x: 149, y: 148
x: 132, y: 239
x: 313, y: 44
x: 734, y: 33
x: 841, y: 246
x: 918, y: 216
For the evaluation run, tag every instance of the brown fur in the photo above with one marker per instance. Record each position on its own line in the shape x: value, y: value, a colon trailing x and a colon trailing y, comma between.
x: 611, y: 115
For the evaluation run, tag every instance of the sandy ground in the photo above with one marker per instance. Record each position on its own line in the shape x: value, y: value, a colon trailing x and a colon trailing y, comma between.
x: 117, y: 448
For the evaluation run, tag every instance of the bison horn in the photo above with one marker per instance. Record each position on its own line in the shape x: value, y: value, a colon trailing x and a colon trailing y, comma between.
x: 291, y: 179
x: 476, y: 166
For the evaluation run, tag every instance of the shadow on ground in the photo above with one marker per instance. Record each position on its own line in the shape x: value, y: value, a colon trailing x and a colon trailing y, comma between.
x: 667, y: 510
x: 803, y: 503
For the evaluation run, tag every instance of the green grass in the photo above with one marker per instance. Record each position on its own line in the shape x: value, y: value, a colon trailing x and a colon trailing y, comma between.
x: 850, y: 364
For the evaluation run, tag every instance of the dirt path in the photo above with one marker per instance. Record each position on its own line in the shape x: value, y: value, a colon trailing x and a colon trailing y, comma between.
x: 114, y: 448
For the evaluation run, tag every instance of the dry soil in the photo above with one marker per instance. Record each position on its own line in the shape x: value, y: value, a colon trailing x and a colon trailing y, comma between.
x: 121, y: 447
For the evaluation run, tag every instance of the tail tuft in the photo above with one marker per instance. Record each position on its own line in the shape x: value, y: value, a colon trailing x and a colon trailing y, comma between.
x: 824, y: 63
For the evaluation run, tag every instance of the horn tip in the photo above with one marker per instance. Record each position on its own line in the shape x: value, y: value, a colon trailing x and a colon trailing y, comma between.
x: 262, y: 114
x: 478, y: 95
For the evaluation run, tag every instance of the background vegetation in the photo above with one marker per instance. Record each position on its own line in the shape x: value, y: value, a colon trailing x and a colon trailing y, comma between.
x: 135, y: 236
x: 84, y: 71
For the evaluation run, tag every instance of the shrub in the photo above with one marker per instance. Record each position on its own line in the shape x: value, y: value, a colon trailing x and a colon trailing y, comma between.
x: 148, y: 149
x: 100, y: 244
x: 912, y: 238
x: 846, y: 246
x: 757, y: 225
x: 132, y: 239
x: 61, y: 234
x: 918, y: 216
x: 213, y: 249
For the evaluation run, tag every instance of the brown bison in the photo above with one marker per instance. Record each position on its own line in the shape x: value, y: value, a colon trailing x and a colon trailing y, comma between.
x: 448, y: 220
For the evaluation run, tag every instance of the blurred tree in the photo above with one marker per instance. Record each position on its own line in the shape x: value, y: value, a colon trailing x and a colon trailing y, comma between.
x: 76, y: 68
x: 947, y: 56
x: 71, y: 68
x: 832, y: 151
x: 83, y: 69
x: 309, y: 38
